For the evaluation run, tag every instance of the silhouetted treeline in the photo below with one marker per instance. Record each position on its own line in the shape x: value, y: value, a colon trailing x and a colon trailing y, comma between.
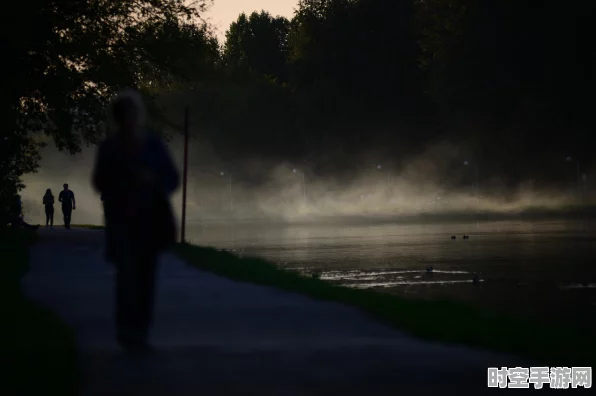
x: 508, y: 81
x: 344, y: 82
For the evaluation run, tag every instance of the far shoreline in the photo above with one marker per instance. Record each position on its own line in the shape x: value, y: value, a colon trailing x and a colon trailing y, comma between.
x: 538, y: 214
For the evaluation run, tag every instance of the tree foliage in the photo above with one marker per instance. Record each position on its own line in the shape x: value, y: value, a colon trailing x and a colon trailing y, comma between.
x: 258, y: 43
x: 351, y: 67
x: 68, y: 57
x: 524, y: 67
x: 499, y: 78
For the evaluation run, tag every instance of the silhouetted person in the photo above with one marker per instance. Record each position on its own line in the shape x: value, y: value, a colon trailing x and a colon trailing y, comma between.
x: 136, y: 176
x: 16, y: 215
x: 48, y: 203
x: 68, y: 204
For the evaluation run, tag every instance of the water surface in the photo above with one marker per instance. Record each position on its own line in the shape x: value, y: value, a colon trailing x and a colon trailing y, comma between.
x: 541, y: 266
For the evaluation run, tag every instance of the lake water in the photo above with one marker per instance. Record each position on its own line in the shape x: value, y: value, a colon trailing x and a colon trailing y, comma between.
x: 545, y: 268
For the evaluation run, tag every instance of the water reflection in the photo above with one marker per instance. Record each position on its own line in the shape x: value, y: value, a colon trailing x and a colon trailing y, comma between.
x: 408, y: 283
x: 520, y: 251
x: 505, y: 247
x: 547, y: 265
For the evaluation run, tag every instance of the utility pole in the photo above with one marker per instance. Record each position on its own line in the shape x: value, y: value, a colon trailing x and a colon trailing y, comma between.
x: 185, y: 174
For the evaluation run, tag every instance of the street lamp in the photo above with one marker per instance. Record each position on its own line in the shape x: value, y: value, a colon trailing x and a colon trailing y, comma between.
x: 297, y: 172
x: 466, y: 163
x: 579, y: 183
x: 223, y: 174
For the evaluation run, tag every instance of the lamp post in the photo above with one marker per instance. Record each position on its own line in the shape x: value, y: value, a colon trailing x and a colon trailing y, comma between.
x: 579, y: 183
x: 296, y: 171
x: 223, y: 174
x: 185, y: 174
x: 466, y: 163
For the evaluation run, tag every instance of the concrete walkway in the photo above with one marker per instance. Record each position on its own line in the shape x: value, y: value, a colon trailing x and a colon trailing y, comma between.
x: 219, y: 337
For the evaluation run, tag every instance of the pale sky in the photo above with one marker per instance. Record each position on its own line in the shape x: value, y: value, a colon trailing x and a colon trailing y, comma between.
x: 224, y: 12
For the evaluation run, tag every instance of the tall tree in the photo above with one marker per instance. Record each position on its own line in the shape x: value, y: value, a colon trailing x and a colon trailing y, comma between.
x: 258, y: 43
x: 354, y: 67
x: 68, y: 57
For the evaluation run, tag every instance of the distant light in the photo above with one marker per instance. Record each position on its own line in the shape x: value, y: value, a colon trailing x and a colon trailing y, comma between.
x: 466, y: 163
x: 379, y: 166
x: 294, y: 170
x: 568, y: 159
x: 222, y: 174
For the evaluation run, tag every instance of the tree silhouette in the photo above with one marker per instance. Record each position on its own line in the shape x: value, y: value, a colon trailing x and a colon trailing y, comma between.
x: 259, y: 44
x: 67, y: 58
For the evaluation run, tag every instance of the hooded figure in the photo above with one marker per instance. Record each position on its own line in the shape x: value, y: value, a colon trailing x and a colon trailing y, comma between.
x: 136, y: 176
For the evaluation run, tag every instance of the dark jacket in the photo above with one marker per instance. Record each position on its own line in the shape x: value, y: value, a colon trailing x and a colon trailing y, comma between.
x: 137, y: 212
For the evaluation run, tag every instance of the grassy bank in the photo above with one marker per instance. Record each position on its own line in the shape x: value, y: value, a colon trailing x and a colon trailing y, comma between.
x: 38, y: 349
x: 444, y: 321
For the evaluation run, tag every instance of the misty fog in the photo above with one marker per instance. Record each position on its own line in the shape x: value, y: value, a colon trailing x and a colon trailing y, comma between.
x: 429, y: 183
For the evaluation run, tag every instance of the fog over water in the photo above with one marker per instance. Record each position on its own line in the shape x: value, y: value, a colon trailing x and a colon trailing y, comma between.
x: 547, y: 263
x: 435, y: 182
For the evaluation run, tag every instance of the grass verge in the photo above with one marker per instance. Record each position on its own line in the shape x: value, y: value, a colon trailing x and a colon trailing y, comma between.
x: 37, y: 346
x: 444, y: 321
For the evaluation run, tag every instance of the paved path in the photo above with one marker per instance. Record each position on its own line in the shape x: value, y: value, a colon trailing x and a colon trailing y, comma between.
x: 219, y: 337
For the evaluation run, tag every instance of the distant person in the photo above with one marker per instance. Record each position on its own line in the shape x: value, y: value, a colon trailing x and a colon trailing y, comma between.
x: 48, y: 203
x: 68, y: 204
x: 16, y: 215
x: 136, y: 176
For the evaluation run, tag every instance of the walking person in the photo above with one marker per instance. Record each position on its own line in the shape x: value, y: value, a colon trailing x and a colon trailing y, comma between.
x: 48, y: 203
x: 68, y: 204
x: 136, y: 176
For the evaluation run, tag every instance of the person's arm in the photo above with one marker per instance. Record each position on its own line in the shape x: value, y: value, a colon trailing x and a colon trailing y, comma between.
x: 60, y: 197
x: 74, y: 205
